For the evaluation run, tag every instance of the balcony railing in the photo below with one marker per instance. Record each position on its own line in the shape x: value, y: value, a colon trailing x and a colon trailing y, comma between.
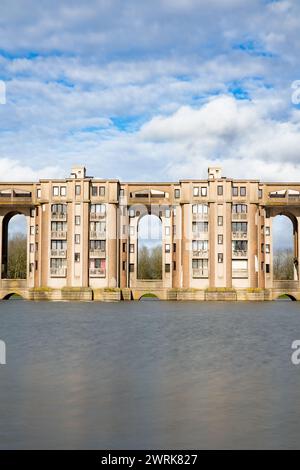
x: 200, y: 253
x: 239, y: 216
x: 240, y: 273
x: 97, y: 254
x: 200, y: 273
x: 97, y: 216
x: 240, y: 253
x: 97, y: 235
x: 59, y: 253
x: 58, y: 272
x: 239, y: 235
x: 58, y: 234
x: 203, y: 217
x: 97, y: 272
x: 59, y: 216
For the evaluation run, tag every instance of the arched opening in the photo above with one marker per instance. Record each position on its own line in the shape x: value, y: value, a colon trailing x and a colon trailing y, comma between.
x: 149, y: 248
x: 13, y: 296
x: 149, y: 296
x: 285, y: 297
x: 285, y: 257
x: 14, y: 246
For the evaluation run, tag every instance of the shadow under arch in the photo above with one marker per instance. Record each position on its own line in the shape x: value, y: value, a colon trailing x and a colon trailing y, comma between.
x: 149, y: 296
x: 286, y: 297
x: 13, y: 295
x: 5, y: 240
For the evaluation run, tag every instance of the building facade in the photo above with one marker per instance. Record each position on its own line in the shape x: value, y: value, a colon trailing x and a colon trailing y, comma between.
x: 82, y: 240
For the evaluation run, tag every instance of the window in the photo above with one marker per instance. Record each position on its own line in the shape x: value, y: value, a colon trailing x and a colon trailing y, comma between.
x: 167, y: 268
x: 174, y: 247
x: 94, y: 191
x: 220, y: 257
x: 200, y: 267
x: 239, y: 209
x: 199, y: 227
x: 201, y: 209
x: 220, y: 239
x: 63, y: 191
x: 77, y: 189
x: 38, y: 193
x: 174, y: 265
x: 220, y: 190
x: 124, y: 265
x: 260, y: 193
x: 167, y: 231
x: 98, y: 209
x: 220, y: 221
x: 177, y: 193
x: 239, y: 246
x: 239, y: 227
x: 243, y: 191
x: 131, y: 268
x: 262, y: 247
x: 200, y: 245
x: 77, y: 257
x: 58, y: 244
x: 267, y: 268
x: 131, y: 213
x: 167, y: 248
x: 31, y: 230
x: 267, y: 248
x: 196, y: 191
x: 204, y: 191
x: 131, y: 231
x: 77, y: 219
x: 122, y: 192
x: 58, y: 208
x: 131, y: 248
x: 31, y: 212
x: 102, y: 191
x: 124, y: 247
x: 31, y: 247
x: 167, y: 213
x: 235, y: 191
x: 36, y: 229
x: 262, y: 265
x: 77, y: 239
x: 55, y: 191
x: 268, y: 231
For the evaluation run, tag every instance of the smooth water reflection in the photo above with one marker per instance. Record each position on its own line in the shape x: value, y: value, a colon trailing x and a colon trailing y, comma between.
x: 149, y: 375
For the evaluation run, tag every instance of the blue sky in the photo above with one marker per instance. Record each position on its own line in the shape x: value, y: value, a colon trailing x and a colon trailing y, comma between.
x: 151, y: 90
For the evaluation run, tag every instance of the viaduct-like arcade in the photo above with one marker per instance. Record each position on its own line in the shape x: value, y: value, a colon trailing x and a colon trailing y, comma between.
x: 83, y: 238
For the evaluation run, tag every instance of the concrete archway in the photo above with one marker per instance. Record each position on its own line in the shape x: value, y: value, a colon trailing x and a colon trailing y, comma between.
x: 5, y: 245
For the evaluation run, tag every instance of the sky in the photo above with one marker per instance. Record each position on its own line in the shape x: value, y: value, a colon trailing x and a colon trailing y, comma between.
x: 150, y: 90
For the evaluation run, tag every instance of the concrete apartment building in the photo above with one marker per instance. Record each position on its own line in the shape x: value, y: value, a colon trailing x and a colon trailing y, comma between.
x: 83, y: 237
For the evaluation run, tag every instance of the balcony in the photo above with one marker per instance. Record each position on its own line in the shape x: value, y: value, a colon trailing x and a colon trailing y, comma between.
x: 200, y: 273
x: 97, y: 272
x: 58, y: 272
x: 97, y: 235
x: 97, y: 254
x: 240, y: 254
x: 239, y: 216
x: 59, y: 253
x: 240, y: 274
x: 239, y: 235
x: 200, y: 235
x: 94, y: 216
x: 200, y: 217
x: 60, y: 216
x: 59, y: 234
x: 200, y: 253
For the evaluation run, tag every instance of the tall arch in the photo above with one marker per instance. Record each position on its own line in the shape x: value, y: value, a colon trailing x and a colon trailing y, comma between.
x: 285, y: 247
x: 14, y: 246
x: 149, y: 248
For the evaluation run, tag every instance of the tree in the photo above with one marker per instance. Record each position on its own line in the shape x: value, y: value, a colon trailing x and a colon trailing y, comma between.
x: 150, y: 263
x: 284, y: 265
x: 17, y: 257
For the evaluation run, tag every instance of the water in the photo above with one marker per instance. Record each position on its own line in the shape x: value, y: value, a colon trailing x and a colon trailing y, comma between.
x: 149, y: 375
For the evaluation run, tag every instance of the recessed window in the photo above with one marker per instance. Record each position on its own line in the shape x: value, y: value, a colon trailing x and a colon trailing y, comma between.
x: 131, y: 248
x: 267, y: 268
x: 77, y: 257
x: 63, y: 191
x: 220, y: 190
x: 77, y: 190
x: 196, y: 191
x: 220, y: 221
x: 38, y: 193
x: 167, y: 248
x: 167, y: 213
x: 174, y: 265
x: 235, y: 191
x: 204, y: 191
x: 177, y: 193
x: 131, y: 213
x: 243, y: 191
x: 260, y: 193
x: 174, y: 247
x: 131, y: 268
x: 124, y: 265
x: 102, y: 191
x: 77, y: 239
x: 220, y: 239
x: 94, y: 191
x: 77, y: 220
x: 55, y: 190
x: 167, y: 231
x: 267, y: 248
x: 220, y: 257
x: 167, y: 268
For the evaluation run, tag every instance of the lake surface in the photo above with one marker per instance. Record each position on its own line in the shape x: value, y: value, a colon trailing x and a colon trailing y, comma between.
x: 149, y: 375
